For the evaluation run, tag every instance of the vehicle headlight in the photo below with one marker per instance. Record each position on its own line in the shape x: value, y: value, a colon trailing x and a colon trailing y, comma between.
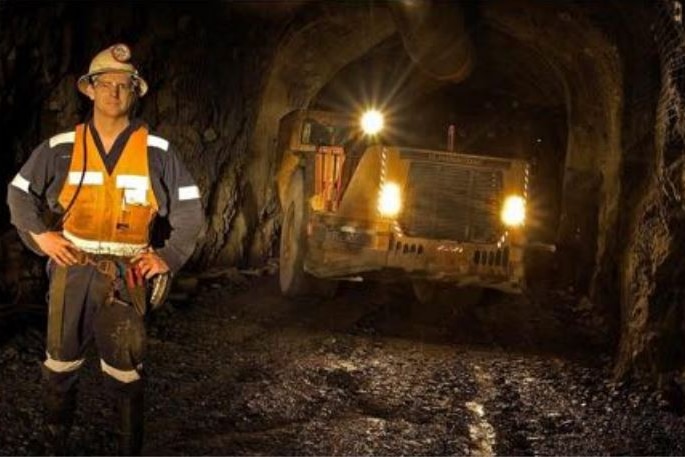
x: 372, y: 122
x: 389, y: 200
x: 514, y: 211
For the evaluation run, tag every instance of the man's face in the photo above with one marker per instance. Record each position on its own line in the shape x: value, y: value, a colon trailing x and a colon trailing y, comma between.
x: 113, y: 94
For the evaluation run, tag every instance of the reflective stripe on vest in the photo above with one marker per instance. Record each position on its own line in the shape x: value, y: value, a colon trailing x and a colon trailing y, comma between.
x: 105, y: 247
x: 110, y: 209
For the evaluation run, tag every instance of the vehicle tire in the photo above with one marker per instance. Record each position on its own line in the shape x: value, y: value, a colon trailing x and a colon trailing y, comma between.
x: 292, y: 277
x: 293, y: 280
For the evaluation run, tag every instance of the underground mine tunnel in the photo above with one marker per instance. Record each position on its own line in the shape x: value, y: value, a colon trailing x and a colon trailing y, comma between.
x: 498, y: 270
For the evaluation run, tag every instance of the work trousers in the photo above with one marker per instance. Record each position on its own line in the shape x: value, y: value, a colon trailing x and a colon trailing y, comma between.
x: 87, y: 314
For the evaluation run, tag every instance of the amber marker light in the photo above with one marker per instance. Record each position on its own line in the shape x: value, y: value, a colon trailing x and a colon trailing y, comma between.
x: 389, y: 200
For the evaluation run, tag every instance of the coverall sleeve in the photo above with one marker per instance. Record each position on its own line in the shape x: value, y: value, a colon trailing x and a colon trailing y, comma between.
x: 26, y: 194
x: 186, y: 216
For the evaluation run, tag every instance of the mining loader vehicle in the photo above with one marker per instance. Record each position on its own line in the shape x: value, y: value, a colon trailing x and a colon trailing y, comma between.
x: 355, y: 208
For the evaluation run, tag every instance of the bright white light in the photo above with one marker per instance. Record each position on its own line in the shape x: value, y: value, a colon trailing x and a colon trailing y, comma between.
x: 372, y: 122
x: 514, y: 211
x: 389, y: 200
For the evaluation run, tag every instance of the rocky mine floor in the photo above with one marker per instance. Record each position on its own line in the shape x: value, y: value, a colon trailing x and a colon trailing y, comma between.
x: 240, y: 371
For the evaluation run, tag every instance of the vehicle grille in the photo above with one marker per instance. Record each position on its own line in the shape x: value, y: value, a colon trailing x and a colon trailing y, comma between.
x: 443, y: 201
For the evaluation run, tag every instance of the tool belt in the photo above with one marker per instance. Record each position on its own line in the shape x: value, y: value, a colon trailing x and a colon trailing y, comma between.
x: 108, y: 265
x: 129, y: 286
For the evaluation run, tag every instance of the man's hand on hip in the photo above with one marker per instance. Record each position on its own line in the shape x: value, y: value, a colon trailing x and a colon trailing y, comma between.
x: 58, y: 248
x: 150, y: 264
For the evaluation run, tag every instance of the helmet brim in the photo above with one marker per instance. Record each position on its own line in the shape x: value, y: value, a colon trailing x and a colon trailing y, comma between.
x: 84, y: 81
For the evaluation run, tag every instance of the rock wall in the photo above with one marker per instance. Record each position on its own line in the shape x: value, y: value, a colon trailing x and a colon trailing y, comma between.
x: 652, y: 343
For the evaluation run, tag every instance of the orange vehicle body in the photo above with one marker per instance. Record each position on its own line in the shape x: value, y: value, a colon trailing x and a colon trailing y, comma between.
x: 448, y: 230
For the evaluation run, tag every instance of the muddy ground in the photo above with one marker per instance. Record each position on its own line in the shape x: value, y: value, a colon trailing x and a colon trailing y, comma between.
x: 237, y: 370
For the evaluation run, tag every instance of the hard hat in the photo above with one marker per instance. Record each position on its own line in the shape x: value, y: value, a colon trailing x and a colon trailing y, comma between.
x: 113, y: 59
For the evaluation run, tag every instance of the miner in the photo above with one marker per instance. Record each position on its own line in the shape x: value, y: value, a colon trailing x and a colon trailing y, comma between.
x: 106, y: 181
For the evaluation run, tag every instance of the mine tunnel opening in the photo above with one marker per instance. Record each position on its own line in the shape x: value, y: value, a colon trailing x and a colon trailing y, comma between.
x: 511, y: 106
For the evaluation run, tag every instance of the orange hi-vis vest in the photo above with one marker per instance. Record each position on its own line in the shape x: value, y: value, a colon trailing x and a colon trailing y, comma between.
x: 112, y: 213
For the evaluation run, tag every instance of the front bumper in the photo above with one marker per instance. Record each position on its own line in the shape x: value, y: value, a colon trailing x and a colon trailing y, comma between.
x: 341, y: 251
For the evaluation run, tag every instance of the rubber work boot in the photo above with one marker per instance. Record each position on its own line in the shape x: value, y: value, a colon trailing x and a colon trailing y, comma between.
x: 59, y: 416
x: 130, y: 410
